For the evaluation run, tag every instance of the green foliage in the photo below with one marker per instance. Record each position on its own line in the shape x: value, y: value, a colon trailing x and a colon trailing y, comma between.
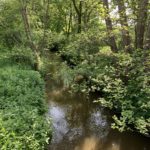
x: 23, y: 124
x: 123, y: 84
x: 10, y: 23
x: 129, y: 92
x: 20, y: 57
x: 81, y: 47
x: 55, y: 41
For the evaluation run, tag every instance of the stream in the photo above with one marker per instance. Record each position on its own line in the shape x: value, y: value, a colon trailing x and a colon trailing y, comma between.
x: 78, y: 124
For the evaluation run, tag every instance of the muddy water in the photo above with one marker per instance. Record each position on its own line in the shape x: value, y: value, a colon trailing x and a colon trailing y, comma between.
x: 80, y: 125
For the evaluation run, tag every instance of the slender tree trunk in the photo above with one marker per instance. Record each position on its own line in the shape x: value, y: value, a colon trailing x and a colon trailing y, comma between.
x: 141, y: 23
x: 45, y: 25
x: 87, y: 14
x: 147, y: 36
x: 28, y: 34
x: 79, y: 14
x: 85, y: 20
x: 124, y: 25
x: 109, y: 27
x: 80, y: 17
x: 70, y: 21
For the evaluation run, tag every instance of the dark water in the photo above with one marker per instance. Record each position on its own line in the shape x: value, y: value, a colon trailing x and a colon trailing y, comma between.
x: 81, y: 125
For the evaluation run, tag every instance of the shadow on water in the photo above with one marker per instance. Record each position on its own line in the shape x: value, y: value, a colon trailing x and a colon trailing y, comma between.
x: 81, y: 125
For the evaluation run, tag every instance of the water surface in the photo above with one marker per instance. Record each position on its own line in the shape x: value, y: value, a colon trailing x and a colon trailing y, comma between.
x: 79, y: 124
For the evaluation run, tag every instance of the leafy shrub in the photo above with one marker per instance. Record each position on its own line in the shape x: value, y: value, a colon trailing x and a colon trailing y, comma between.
x: 19, y: 56
x: 22, y: 56
x: 128, y: 91
x: 22, y: 110
x: 81, y: 46
x: 123, y: 83
x: 55, y: 41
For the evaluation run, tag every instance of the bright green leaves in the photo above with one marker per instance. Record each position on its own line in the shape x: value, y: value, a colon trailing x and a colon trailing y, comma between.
x: 122, y: 82
x: 23, y: 124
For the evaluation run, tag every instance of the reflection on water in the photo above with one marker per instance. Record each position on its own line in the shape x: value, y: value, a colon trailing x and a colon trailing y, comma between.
x: 89, y: 143
x: 80, y: 125
x: 59, y: 122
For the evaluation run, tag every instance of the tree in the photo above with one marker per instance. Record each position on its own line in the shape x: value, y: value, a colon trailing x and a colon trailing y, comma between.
x: 78, y: 10
x: 29, y: 35
x: 90, y: 15
x: 147, y: 36
x: 10, y: 24
x: 70, y: 20
x: 109, y: 27
x: 126, y: 39
x: 141, y: 23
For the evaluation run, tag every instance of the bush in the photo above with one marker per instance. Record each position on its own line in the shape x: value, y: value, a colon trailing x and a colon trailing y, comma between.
x: 18, y: 56
x: 55, y: 41
x: 123, y: 83
x: 23, y: 124
x: 81, y: 46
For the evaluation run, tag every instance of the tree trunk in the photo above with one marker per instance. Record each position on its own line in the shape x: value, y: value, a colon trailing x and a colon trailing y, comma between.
x: 147, y: 36
x: 124, y: 25
x: 109, y: 27
x: 79, y: 14
x: 80, y: 17
x: 70, y: 21
x: 42, y: 42
x: 141, y: 23
x: 28, y: 34
x: 87, y: 14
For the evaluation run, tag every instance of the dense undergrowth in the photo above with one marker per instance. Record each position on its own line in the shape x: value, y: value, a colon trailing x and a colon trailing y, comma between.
x: 23, y: 123
x: 122, y: 80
